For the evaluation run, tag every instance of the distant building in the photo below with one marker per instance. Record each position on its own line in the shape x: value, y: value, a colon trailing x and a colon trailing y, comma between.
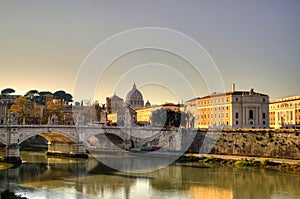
x: 235, y: 109
x: 114, y: 104
x: 6, y: 101
x: 119, y: 117
x: 285, y: 112
x: 144, y: 114
x: 68, y: 115
x: 48, y: 98
x: 3, y: 113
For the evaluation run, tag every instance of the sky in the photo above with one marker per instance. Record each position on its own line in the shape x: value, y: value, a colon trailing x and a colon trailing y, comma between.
x: 48, y: 45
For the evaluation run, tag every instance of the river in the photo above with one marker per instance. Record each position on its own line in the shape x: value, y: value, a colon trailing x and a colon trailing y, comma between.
x: 42, y: 177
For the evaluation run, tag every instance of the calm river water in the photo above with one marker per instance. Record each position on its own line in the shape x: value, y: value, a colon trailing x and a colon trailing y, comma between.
x: 41, y: 177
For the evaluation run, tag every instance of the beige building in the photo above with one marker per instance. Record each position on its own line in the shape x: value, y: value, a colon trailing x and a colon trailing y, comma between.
x: 144, y: 114
x: 119, y: 118
x: 114, y: 104
x: 234, y: 109
x: 285, y: 112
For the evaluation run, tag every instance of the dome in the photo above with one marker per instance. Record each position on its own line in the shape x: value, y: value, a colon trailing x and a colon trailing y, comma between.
x: 134, y: 93
x: 147, y: 104
x: 134, y: 98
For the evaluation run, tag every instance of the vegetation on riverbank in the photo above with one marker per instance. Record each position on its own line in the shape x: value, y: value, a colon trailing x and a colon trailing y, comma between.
x: 243, y: 163
x: 11, y: 195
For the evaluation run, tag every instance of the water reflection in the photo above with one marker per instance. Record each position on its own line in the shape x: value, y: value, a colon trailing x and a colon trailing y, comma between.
x: 42, y: 177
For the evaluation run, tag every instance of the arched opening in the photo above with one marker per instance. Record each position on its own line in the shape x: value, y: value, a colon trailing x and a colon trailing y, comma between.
x: 106, y: 141
x: 52, y: 142
x: 109, y: 141
x: 250, y: 114
x: 34, y: 143
x: 51, y: 136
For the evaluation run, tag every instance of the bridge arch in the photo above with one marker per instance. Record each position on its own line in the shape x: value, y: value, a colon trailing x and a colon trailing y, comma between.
x: 52, y: 136
x: 2, y: 142
x: 114, y: 137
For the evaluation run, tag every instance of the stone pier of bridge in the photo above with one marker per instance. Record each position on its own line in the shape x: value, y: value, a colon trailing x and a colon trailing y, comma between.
x: 76, y: 150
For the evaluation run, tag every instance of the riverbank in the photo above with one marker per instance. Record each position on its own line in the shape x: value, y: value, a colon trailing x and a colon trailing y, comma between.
x: 4, y: 165
x: 211, y: 160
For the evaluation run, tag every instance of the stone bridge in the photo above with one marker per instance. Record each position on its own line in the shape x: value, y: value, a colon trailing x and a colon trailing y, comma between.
x: 74, y: 140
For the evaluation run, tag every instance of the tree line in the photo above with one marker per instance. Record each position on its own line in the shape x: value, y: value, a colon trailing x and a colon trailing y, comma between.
x: 33, y: 105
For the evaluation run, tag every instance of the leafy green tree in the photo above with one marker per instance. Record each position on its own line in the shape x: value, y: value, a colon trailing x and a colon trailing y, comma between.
x: 30, y: 94
x: 59, y: 94
x: 7, y: 91
x: 68, y: 97
x: 62, y: 95
x: 168, y: 118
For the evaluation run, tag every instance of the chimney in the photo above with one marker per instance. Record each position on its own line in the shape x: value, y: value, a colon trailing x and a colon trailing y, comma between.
x: 233, y: 87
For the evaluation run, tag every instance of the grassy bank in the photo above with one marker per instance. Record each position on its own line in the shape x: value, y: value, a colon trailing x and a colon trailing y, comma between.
x: 211, y: 161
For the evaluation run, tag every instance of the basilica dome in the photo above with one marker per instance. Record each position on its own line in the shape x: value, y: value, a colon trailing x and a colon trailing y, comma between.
x: 134, y: 98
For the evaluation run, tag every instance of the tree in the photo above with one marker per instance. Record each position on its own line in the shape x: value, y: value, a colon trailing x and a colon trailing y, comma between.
x: 62, y: 95
x: 30, y: 94
x: 7, y: 91
x: 27, y: 110
x: 167, y: 118
x: 40, y: 97
x: 59, y: 94
x: 54, y: 109
x: 68, y: 97
x: 159, y: 117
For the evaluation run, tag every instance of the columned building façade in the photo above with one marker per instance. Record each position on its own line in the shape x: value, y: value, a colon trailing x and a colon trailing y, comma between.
x: 234, y: 109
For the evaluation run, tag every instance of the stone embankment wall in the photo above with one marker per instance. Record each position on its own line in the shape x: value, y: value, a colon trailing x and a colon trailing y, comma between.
x: 284, y: 143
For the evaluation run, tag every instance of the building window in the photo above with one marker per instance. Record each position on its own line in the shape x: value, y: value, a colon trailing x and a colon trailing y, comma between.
x: 264, y: 122
x: 236, y: 122
x: 264, y: 100
x: 251, y: 123
x: 250, y: 114
x: 264, y: 116
x: 236, y: 115
x: 236, y: 99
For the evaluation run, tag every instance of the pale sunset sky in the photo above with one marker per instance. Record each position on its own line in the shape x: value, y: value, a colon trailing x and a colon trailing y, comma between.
x: 255, y: 44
